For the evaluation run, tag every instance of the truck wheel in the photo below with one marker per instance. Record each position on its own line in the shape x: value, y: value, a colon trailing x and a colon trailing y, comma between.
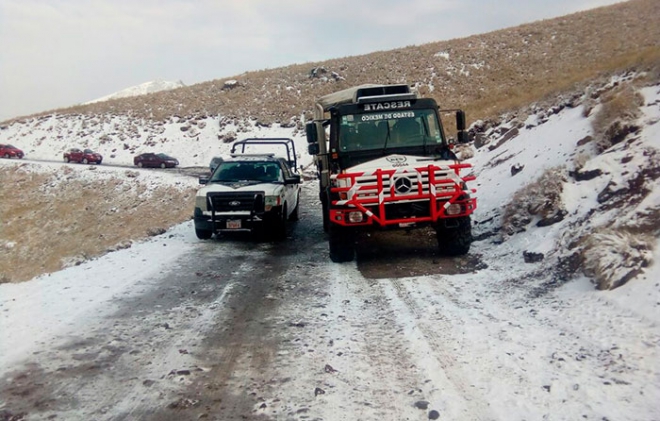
x: 85, y: 161
x: 295, y: 215
x: 203, y: 234
x: 455, y: 241
x: 342, y: 244
x: 326, y: 215
x: 279, y: 225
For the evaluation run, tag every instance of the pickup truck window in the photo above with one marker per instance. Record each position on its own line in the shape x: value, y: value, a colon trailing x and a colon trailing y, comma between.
x: 247, y: 171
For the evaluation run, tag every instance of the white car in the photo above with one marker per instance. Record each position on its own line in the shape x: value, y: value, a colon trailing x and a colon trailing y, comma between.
x: 255, y: 193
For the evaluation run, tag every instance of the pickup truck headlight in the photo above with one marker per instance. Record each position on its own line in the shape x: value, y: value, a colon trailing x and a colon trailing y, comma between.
x: 200, y: 202
x: 272, y: 201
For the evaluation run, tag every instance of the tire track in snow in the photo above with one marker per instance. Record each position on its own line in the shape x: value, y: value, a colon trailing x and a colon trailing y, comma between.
x: 435, y: 356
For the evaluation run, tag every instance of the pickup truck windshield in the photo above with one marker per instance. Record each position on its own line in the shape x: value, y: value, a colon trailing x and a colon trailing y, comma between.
x: 389, y: 130
x: 229, y: 172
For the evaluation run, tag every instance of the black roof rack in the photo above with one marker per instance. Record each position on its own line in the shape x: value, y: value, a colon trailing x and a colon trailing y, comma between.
x: 287, y: 142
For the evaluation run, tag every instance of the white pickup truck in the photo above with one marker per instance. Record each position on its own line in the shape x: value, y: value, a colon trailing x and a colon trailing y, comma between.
x: 256, y: 193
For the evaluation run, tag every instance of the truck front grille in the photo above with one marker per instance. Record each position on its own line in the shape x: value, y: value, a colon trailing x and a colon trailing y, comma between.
x: 235, y: 201
x: 366, y: 186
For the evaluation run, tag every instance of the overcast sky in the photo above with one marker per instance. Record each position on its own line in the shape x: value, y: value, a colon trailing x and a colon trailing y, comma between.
x: 56, y: 53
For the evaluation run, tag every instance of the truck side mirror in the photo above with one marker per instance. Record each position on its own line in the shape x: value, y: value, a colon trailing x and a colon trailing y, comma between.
x: 460, y: 120
x: 312, y: 135
x: 294, y: 179
x: 203, y: 180
x: 313, y: 148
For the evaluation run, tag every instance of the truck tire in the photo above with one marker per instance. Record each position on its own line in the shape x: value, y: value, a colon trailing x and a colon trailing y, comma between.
x: 203, y: 234
x: 294, y: 214
x: 341, y: 241
x: 455, y: 241
x: 278, y: 225
x: 326, y: 214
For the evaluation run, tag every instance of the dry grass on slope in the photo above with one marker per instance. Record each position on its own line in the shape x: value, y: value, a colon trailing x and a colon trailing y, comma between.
x: 485, y: 74
x: 101, y: 215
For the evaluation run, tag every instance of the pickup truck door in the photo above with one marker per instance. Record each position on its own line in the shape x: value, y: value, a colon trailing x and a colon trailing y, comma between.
x: 290, y: 190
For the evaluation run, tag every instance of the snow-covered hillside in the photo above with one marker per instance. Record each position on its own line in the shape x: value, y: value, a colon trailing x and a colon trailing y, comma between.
x: 549, y: 193
x: 551, y: 188
x: 141, y: 89
x: 119, y: 138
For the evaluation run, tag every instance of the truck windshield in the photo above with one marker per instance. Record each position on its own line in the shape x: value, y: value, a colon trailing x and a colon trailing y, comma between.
x: 389, y: 130
x: 229, y: 172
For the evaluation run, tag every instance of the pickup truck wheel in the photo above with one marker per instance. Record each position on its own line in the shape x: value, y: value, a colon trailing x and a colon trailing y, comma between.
x: 279, y: 228
x: 455, y: 241
x: 342, y: 243
x: 203, y: 234
x: 162, y: 165
x: 85, y: 161
x: 294, y: 214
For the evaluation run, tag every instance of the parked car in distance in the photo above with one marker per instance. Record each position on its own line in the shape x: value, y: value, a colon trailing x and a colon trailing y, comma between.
x: 155, y: 160
x: 10, y: 151
x: 85, y: 156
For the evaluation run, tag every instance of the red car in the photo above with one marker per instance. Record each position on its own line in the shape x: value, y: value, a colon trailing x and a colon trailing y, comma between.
x: 10, y: 151
x: 155, y: 160
x: 85, y: 156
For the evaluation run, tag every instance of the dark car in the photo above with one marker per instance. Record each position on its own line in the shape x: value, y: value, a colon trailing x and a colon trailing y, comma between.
x: 155, y: 160
x: 85, y: 156
x: 10, y: 151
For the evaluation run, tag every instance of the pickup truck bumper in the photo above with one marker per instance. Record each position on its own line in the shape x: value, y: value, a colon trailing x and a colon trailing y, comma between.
x: 233, y: 222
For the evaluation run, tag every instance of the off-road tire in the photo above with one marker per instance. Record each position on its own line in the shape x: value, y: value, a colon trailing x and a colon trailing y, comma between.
x: 203, y: 234
x: 326, y: 215
x: 341, y: 241
x: 455, y: 241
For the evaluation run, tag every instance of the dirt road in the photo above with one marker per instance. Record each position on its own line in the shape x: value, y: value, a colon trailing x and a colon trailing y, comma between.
x: 242, y: 330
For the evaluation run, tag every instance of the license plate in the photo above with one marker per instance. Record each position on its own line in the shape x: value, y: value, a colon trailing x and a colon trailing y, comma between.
x: 234, y: 224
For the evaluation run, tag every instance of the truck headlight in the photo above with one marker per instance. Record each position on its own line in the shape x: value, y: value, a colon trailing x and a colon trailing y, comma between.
x: 271, y: 201
x: 355, y: 217
x: 200, y: 202
x: 453, y: 209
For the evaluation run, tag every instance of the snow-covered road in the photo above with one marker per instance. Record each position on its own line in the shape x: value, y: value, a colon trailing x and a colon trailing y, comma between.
x: 175, y: 328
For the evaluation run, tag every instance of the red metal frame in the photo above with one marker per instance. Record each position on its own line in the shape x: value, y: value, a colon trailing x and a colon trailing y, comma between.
x: 438, y: 200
